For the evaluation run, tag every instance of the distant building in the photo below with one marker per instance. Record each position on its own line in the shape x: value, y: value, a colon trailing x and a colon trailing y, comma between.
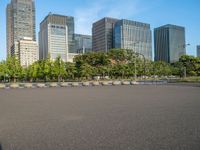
x: 169, y: 42
x: 198, y: 51
x: 71, y: 57
x: 83, y: 43
x: 109, y: 33
x: 56, y: 37
x: 28, y: 51
x: 135, y: 36
x: 102, y: 34
x: 20, y: 20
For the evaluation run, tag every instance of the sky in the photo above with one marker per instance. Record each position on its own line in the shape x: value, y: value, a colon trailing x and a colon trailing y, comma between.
x: 155, y: 12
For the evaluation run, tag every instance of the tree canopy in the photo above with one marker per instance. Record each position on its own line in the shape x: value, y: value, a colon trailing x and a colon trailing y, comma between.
x: 117, y: 63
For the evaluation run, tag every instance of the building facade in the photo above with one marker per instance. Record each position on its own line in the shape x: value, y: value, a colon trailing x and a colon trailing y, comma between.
x: 198, y: 51
x: 169, y: 42
x: 102, y: 34
x: 20, y: 20
x: 83, y: 43
x: 56, y: 37
x: 28, y: 51
x: 133, y: 35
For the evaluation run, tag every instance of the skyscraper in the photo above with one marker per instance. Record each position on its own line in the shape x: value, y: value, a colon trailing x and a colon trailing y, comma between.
x: 169, y: 42
x: 135, y: 36
x: 56, y: 37
x: 102, y: 34
x: 20, y: 23
x: 83, y: 43
x: 198, y: 50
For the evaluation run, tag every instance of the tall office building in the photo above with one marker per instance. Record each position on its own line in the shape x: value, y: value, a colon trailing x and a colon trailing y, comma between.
x: 83, y: 43
x: 56, y: 37
x: 169, y: 42
x: 198, y: 50
x: 102, y: 34
x: 28, y: 51
x: 135, y: 36
x: 20, y: 23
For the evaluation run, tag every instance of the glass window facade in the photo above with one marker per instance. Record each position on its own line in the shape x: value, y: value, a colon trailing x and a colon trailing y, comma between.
x: 133, y: 35
x: 20, y: 22
x: 83, y: 43
x: 102, y: 34
x: 56, y: 37
x: 198, y: 51
x: 169, y: 42
x: 57, y: 41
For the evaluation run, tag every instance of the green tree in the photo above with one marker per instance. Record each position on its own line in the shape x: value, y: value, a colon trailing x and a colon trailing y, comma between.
x: 162, y: 68
x: 93, y: 59
x: 197, y: 66
x: 14, y: 68
x: 177, y: 69
x: 191, y: 64
x: 118, y: 55
x: 87, y: 71
x: 71, y: 70
x: 58, y: 70
x: 120, y: 71
x: 33, y: 73
x: 103, y: 71
x: 24, y: 74
x: 44, y: 69
x: 3, y: 70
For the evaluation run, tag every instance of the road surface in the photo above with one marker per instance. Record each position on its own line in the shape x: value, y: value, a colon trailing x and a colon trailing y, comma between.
x: 101, y: 118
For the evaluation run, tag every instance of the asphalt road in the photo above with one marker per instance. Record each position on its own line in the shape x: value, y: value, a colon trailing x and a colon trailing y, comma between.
x: 101, y: 118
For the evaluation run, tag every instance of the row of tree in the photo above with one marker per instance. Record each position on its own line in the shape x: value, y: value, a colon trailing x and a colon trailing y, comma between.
x: 117, y: 63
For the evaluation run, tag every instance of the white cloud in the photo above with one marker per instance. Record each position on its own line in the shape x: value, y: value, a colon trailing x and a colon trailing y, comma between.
x: 124, y: 9
x: 91, y: 12
x: 84, y: 17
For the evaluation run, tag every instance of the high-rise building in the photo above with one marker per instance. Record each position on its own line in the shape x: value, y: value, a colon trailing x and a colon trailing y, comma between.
x: 102, y: 34
x: 198, y: 50
x: 135, y: 36
x: 83, y: 43
x: 20, y: 23
x: 28, y: 51
x: 169, y: 42
x: 56, y: 37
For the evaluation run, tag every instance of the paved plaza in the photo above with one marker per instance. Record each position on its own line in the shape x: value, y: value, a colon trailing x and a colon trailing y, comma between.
x: 149, y: 117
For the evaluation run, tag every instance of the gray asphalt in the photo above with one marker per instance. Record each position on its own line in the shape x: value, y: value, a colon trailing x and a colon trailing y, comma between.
x: 101, y: 118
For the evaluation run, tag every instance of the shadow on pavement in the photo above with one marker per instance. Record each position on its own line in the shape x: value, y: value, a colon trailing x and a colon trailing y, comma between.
x: 1, y: 147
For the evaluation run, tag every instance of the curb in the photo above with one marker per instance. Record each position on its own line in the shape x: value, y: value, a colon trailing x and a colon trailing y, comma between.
x: 79, y: 84
x: 2, y: 86
x: 96, y: 83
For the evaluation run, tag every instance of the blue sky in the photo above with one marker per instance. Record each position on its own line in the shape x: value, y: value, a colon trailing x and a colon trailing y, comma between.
x: 156, y: 12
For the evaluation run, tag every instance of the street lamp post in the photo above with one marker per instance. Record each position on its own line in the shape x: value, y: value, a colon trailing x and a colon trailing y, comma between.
x: 185, y: 45
x: 144, y: 62
x: 184, y: 68
x: 136, y: 53
x: 135, y: 75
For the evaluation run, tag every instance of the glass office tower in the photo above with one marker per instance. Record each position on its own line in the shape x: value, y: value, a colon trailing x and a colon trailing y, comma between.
x: 133, y: 35
x: 83, y: 43
x: 198, y: 51
x: 102, y: 34
x: 56, y: 37
x: 20, y: 20
x: 169, y: 42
